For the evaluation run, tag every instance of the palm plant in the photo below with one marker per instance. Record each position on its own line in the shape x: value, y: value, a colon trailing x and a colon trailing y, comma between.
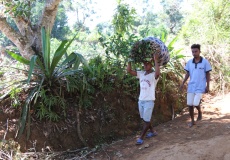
x: 48, y: 79
x: 173, y: 66
x: 175, y: 55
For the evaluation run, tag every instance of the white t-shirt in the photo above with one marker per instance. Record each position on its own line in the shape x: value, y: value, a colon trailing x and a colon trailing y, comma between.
x: 147, y: 85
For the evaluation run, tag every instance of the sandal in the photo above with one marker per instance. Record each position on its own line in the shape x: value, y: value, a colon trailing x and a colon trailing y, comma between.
x: 191, y: 124
x: 139, y: 141
x: 151, y: 134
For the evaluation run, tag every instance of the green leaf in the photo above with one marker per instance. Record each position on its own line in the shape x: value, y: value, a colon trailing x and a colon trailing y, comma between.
x: 170, y: 46
x: 68, y: 72
x: 24, y: 113
x: 178, y: 51
x: 40, y: 65
x: 60, y: 52
x: 32, y: 64
x: 179, y: 56
x: 58, y: 55
x: 80, y: 59
x: 39, y: 88
x: 175, y: 53
x: 18, y: 57
x: 163, y: 37
x: 66, y: 63
x: 46, y: 49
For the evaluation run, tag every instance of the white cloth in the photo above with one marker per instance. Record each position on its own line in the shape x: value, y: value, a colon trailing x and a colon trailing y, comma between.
x: 147, y: 85
x: 193, y: 99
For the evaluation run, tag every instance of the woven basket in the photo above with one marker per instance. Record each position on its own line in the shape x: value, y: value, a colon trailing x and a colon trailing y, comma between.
x: 145, y: 49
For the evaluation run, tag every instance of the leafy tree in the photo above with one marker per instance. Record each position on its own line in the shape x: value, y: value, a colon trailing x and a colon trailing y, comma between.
x: 210, y: 20
x: 82, y: 11
x: 119, y: 43
x: 207, y: 23
x: 173, y: 16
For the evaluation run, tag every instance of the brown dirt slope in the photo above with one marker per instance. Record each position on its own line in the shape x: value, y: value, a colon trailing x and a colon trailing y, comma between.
x: 209, y: 139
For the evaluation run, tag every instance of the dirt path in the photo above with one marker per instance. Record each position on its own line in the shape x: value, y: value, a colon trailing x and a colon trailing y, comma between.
x: 209, y: 139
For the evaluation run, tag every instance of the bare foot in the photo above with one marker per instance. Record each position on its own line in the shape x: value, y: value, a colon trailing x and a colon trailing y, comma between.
x: 199, y: 117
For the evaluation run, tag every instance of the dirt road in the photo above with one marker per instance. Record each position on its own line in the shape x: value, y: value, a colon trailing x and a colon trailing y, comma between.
x: 209, y: 139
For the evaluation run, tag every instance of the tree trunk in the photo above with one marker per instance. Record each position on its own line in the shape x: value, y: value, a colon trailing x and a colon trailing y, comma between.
x: 28, y: 39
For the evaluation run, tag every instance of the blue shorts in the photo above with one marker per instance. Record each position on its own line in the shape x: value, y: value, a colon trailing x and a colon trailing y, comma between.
x: 146, y: 109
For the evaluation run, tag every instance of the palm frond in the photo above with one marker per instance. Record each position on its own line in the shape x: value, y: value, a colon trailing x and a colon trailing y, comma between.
x: 32, y: 64
x: 60, y: 52
x: 23, y: 119
x: 46, y: 49
x: 18, y: 57
x: 170, y: 45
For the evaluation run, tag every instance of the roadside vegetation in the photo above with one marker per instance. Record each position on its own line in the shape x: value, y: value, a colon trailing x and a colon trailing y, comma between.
x: 71, y: 70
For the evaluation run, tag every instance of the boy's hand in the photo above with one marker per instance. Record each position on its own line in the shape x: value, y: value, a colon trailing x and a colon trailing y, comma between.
x: 207, y: 89
x: 181, y: 87
x: 156, y: 57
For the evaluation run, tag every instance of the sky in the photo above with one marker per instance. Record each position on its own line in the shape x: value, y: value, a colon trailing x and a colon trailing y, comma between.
x: 106, y: 8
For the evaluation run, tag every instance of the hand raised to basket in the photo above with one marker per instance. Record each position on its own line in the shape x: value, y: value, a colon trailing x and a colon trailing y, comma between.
x: 156, y: 57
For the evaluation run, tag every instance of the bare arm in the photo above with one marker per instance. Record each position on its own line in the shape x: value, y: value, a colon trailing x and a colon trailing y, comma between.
x: 157, y: 67
x: 185, y: 79
x: 208, y: 81
x: 130, y: 71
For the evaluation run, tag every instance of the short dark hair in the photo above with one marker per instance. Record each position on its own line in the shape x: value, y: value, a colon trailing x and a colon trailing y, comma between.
x: 195, y: 46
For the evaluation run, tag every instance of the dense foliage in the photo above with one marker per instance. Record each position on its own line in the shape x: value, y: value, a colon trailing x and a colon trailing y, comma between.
x: 60, y: 71
x: 207, y: 23
x: 51, y: 79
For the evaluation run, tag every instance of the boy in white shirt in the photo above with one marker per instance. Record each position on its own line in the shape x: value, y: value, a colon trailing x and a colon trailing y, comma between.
x: 148, y: 80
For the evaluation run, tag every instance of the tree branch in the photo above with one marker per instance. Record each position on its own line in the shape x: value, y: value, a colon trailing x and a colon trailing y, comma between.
x: 49, y: 14
x: 21, y: 22
x: 16, y: 38
x: 47, y: 19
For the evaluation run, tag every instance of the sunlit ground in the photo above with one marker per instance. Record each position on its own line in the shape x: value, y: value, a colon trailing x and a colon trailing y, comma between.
x: 224, y: 105
x: 216, y: 108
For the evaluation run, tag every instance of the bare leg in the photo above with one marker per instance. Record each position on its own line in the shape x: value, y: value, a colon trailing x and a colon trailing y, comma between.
x: 151, y: 128
x: 191, y: 112
x: 199, y: 113
x: 145, y: 129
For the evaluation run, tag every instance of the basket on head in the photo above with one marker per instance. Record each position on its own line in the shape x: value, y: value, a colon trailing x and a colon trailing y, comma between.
x: 146, y: 48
